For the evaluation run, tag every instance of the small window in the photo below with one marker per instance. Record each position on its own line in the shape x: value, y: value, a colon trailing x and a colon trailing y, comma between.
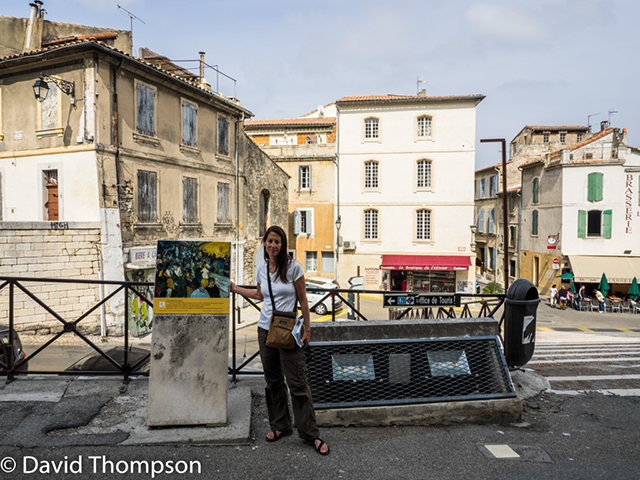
x: 223, y: 203
x: 545, y: 137
x: 483, y: 184
x: 327, y: 262
x: 594, y: 223
x: 588, y: 156
x: 579, y: 137
x: 303, y: 221
x: 534, y: 222
x: 52, y: 199
x: 563, y: 137
x: 304, y: 177
x: 423, y: 174
x: 512, y: 204
x: 371, y: 128
x: 424, y: 127
x: 492, y: 220
x: 223, y: 135
x: 423, y: 225
x: 370, y: 224
x: 492, y: 185
x: 147, y: 197
x: 512, y: 268
x: 536, y: 190
x: 189, y: 200
x: 189, y: 124
x: 311, y: 261
x: 263, y: 212
x: 146, y: 118
x: 513, y: 233
x: 481, y: 221
x: 371, y: 175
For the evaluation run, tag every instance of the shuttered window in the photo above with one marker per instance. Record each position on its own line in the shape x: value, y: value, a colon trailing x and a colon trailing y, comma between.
x: 606, y: 223
x: 189, y: 124
x: 146, y: 99
x: 483, y: 183
x: 189, y: 200
x: 492, y: 220
x: 223, y: 203
x: 534, y: 222
x: 223, y: 135
x: 582, y: 223
x: 594, y: 186
x: 481, y: 221
x: 147, y: 197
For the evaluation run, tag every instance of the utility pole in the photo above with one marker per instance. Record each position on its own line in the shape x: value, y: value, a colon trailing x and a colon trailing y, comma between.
x: 505, y: 217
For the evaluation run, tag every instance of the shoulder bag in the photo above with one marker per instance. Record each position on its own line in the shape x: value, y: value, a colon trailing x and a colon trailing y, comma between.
x: 282, y: 323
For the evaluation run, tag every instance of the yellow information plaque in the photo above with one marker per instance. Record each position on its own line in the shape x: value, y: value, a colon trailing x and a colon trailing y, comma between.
x: 212, y: 306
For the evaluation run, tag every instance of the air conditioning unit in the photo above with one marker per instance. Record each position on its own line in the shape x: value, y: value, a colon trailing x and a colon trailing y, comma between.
x: 349, y: 245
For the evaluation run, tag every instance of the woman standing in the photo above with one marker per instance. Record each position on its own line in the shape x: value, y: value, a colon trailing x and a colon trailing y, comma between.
x: 288, y: 285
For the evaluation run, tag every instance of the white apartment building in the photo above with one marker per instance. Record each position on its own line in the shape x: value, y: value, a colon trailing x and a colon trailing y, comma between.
x: 406, y: 197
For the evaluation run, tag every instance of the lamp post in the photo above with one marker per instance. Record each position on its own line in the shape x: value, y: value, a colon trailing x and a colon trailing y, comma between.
x: 505, y: 218
x: 338, y: 225
x: 41, y: 87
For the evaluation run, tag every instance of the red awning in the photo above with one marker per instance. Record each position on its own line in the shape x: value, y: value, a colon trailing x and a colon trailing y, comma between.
x: 425, y: 262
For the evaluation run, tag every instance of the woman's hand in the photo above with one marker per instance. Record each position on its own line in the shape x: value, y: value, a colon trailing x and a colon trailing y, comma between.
x: 306, y: 337
x: 232, y: 287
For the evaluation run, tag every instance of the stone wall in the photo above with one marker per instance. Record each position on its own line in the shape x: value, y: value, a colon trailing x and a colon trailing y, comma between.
x: 53, y: 250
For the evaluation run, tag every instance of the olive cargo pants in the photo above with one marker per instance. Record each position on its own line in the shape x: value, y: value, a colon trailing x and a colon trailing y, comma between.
x: 279, y: 364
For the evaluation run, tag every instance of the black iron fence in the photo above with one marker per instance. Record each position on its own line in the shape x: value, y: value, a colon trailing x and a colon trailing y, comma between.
x: 12, y: 366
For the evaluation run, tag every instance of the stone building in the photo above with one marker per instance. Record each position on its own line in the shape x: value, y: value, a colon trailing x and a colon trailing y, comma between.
x: 305, y: 148
x: 118, y: 154
x: 581, y: 215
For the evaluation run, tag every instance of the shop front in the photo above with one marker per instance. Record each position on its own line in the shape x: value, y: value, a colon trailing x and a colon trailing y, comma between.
x: 140, y: 267
x: 619, y: 270
x: 424, y: 273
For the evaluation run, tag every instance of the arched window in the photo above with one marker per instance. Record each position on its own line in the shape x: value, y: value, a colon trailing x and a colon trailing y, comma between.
x: 263, y: 214
x: 424, y: 127
x: 423, y: 224
x: 371, y: 224
x: 371, y: 126
x: 423, y: 174
x: 371, y: 174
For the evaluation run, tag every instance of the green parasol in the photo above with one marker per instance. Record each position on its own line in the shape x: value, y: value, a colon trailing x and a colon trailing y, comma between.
x: 634, y: 291
x: 566, y: 276
x: 573, y: 287
x: 603, y: 286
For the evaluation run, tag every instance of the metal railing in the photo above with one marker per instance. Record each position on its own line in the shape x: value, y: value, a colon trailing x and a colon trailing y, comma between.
x: 11, y: 367
x: 489, y: 304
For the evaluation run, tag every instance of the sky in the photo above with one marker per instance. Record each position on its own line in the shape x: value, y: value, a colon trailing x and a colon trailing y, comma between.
x: 544, y: 62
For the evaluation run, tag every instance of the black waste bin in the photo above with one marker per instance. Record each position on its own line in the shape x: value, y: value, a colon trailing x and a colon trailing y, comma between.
x: 521, y: 305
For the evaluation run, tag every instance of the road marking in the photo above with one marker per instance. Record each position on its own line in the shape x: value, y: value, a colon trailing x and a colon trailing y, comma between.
x: 502, y: 451
x: 586, y: 360
x: 600, y: 352
x: 593, y: 377
x: 631, y: 392
x: 585, y: 329
x: 544, y: 329
x: 626, y: 330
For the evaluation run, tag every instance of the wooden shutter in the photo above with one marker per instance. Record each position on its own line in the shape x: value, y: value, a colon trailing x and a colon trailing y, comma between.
x: 595, y: 187
x: 481, y: 221
x: 189, y: 200
x: 534, y: 223
x: 582, y: 224
x: 223, y: 203
x: 606, y: 223
x: 146, y: 110
x: 536, y: 190
x: 189, y: 124
x: 147, y: 197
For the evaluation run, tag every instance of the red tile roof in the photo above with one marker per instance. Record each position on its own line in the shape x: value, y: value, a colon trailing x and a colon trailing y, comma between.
x: 319, y: 122
x: 97, y: 36
x: 554, y: 128
x: 407, y: 98
x: 497, y: 165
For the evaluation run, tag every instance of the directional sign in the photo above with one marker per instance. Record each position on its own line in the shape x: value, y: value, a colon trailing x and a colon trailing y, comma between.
x: 420, y: 300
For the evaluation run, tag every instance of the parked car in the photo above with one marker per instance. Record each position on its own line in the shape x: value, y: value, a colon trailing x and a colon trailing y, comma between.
x: 18, y: 353
x: 94, y: 362
x: 325, y: 284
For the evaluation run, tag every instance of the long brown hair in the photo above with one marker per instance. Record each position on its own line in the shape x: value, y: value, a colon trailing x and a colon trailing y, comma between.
x: 282, y: 262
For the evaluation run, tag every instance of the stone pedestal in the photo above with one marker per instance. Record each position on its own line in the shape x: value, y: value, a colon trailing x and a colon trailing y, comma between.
x: 189, y: 366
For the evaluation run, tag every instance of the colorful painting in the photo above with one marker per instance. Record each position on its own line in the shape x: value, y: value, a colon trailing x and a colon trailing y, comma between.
x: 192, y: 277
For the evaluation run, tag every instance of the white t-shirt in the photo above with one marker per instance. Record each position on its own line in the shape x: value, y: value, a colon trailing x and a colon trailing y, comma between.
x: 284, y: 294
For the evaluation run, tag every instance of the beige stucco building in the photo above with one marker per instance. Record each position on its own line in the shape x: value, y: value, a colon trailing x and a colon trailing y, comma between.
x: 120, y: 153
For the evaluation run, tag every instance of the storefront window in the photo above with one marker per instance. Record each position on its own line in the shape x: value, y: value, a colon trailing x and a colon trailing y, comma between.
x: 427, y: 282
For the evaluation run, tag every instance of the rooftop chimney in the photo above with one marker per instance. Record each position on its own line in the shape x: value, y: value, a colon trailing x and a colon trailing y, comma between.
x: 422, y: 93
x: 604, y: 125
x: 33, y: 37
x: 202, y: 83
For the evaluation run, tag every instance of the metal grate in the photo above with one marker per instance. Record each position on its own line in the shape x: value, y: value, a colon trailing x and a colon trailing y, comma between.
x: 392, y: 372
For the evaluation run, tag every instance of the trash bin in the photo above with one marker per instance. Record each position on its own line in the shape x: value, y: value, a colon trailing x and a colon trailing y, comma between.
x: 521, y: 305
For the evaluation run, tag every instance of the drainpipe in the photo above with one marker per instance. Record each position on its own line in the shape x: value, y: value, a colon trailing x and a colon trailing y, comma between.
x: 238, y: 199
x: 337, y: 162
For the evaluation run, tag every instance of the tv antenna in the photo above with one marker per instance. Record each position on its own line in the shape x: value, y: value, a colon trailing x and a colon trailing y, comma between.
x: 611, y: 112
x: 419, y: 83
x: 131, y: 18
x: 589, y: 119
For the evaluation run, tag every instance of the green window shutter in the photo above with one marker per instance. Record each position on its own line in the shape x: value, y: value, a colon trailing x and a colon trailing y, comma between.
x: 606, y: 223
x: 595, y: 187
x: 536, y: 190
x: 534, y: 223
x: 582, y: 224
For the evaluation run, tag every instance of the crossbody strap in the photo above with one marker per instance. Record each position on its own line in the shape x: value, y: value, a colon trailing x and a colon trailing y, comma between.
x: 273, y: 302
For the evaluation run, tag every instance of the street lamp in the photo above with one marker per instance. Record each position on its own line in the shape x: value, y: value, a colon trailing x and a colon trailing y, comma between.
x: 41, y: 87
x: 505, y: 218
x: 338, y: 225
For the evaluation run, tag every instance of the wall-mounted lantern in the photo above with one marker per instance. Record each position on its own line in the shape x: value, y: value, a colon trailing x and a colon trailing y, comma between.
x: 41, y: 87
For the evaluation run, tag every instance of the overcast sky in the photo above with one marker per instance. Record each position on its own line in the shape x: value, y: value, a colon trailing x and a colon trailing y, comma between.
x: 538, y: 62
